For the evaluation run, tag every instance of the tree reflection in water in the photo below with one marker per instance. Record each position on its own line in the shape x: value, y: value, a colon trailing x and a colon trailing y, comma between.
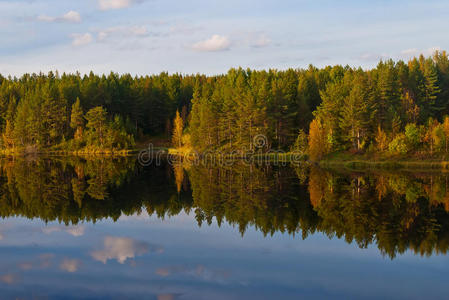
x: 395, y: 211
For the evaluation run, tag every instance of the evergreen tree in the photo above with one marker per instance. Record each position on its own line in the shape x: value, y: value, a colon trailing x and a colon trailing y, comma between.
x: 301, y: 143
x: 431, y: 89
x: 389, y: 92
x: 96, y: 123
x: 77, y: 119
x: 353, y: 119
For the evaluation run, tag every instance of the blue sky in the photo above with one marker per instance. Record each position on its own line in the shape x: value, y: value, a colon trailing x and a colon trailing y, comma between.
x: 198, y: 36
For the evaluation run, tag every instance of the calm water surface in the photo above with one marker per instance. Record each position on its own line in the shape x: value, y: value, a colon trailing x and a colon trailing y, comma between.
x: 111, y: 229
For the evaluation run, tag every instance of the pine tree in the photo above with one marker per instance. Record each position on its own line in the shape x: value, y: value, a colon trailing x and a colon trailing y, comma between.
x: 301, y: 143
x: 353, y: 119
x: 26, y: 124
x: 388, y: 87
x: 431, y: 88
x: 77, y: 119
x: 442, y: 64
x: 96, y: 122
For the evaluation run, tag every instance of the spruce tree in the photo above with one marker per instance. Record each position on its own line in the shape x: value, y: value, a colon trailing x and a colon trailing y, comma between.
x: 431, y: 89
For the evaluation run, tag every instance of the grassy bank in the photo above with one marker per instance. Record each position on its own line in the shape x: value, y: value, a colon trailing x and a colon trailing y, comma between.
x: 366, y: 161
x: 156, y: 142
x: 189, y: 153
x: 83, y: 152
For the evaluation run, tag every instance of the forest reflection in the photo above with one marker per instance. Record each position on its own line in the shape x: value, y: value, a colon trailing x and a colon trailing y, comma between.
x: 396, y: 211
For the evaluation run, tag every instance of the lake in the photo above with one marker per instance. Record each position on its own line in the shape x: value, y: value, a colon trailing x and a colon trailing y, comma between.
x: 76, y: 228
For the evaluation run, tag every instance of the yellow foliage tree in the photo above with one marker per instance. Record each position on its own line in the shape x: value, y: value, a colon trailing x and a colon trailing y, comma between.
x: 431, y: 135
x: 317, y: 140
x: 178, y: 127
x: 381, y: 139
x: 446, y: 130
x: 8, y: 135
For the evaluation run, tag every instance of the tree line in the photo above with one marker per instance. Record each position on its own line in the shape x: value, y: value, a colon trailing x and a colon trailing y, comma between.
x: 90, y: 112
x: 394, y: 108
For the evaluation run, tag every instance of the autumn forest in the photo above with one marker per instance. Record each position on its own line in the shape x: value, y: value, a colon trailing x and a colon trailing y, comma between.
x: 396, y: 108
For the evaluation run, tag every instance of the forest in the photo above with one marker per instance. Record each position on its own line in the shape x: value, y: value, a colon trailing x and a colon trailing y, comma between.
x: 396, y: 108
x: 90, y: 113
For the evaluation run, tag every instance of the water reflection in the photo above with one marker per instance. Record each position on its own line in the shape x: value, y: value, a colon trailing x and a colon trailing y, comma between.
x: 395, y: 211
x: 110, y: 229
x: 122, y: 248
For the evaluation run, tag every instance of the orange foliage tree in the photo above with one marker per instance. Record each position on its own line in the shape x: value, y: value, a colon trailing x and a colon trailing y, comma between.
x: 317, y: 140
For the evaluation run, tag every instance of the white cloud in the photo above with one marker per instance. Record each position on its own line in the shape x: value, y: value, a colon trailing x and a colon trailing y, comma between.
x: 408, y: 53
x: 122, y: 32
x: 115, y: 4
x: 102, y: 35
x: 122, y: 248
x: 215, y: 43
x: 73, y: 230
x: 71, y: 17
x: 70, y: 265
x: 76, y: 230
x: 81, y: 39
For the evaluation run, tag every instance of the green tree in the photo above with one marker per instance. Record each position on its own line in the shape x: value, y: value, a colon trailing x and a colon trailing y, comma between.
x: 413, y: 136
x: 301, y: 143
x: 431, y: 88
x: 96, y: 123
x: 353, y: 121
x: 77, y: 119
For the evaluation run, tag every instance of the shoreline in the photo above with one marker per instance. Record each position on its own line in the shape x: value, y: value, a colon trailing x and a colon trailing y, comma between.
x: 397, y: 164
x: 342, y: 161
